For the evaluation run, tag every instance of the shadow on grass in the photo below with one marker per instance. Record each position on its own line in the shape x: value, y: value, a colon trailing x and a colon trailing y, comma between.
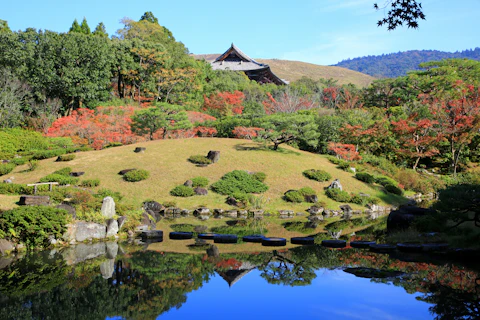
x: 261, y: 147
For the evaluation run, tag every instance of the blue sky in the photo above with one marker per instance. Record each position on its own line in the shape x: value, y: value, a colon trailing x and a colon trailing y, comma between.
x: 317, y: 31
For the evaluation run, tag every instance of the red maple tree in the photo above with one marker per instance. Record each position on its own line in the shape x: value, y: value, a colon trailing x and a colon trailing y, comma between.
x: 224, y: 103
x: 246, y: 132
x: 344, y: 151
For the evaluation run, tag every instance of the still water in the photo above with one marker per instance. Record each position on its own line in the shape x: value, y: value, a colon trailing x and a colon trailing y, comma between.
x: 121, y: 281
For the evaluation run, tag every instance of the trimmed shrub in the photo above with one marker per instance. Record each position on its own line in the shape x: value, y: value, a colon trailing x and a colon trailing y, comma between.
x: 393, y: 189
x: 66, y: 157
x: 338, y: 195
x: 91, y: 183
x: 200, y: 182
x: 241, y: 197
x: 20, y: 161
x: 307, y: 191
x: 238, y: 181
x: 361, y: 200
x: 102, y: 193
x: 12, y: 188
x: 64, y: 171
x: 259, y: 176
x: 318, y: 175
x: 294, y: 196
x: 61, y: 179
x: 199, y: 159
x: 384, y: 181
x: 33, y: 225
x: 46, y: 154
x: 136, y: 175
x: 182, y: 191
x: 6, y: 168
x: 380, y: 163
x: 365, y: 177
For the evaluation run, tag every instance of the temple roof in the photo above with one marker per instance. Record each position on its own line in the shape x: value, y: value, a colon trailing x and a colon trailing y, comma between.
x: 235, y: 60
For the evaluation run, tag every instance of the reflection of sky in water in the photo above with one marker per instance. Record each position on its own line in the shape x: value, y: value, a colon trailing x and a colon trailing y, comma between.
x: 334, y: 294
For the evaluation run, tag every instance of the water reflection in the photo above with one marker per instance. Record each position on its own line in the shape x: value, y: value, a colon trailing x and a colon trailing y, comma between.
x: 110, y: 280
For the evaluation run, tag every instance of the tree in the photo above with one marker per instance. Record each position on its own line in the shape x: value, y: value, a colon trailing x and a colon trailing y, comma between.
x: 165, y: 117
x: 344, y: 151
x: 287, y: 102
x: 84, y: 27
x: 400, y: 12
x: 14, y: 96
x: 100, y: 30
x: 148, y: 16
x: 284, y: 128
x: 4, y: 26
x: 417, y: 138
x: 224, y: 103
x: 75, y: 27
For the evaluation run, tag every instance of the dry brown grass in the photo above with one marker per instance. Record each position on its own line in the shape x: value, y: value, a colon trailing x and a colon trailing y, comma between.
x: 166, y: 160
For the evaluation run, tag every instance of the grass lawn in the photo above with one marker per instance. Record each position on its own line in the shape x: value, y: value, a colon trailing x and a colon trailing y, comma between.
x: 166, y: 160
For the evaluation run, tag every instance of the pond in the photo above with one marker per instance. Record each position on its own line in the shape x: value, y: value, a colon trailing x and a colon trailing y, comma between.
x: 126, y: 281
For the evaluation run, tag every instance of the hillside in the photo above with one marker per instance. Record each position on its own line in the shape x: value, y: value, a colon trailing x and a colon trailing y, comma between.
x: 398, y: 64
x: 294, y: 70
x: 166, y: 160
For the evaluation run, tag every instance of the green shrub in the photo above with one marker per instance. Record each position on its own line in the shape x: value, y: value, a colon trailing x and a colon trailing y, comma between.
x: 307, y: 191
x: 12, y: 188
x: 361, y: 200
x: 393, y: 189
x: 20, y: 161
x: 64, y: 171
x: 412, y: 180
x: 199, y: 159
x: 200, y: 182
x: 338, y: 195
x: 241, y: 197
x: 46, y: 154
x: 61, y: 179
x: 365, y: 177
x: 294, y: 196
x: 182, y: 191
x: 32, y: 165
x: 91, y: 183
x: 33, y: 225
x: 136, y: 175
x: 384, y: 181
x: 6, y: 168
x: 259, y: 176
x: 342, y: 164
x: 318, y: 175
x: 102, y: 193
x: 238, y: 181
x: 113, y: 145
x: 66, y: 157
x: 380, y: 163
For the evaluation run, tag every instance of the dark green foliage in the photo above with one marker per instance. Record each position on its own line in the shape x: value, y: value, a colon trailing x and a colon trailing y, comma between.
x: 199, y: 159
x: 66, y: 157
x: 102, y: 193
x: 307, y: 191
x: 200, y: 182
x: 20, y: 161
x: 363, y: 200
x: 64, y: 171
x: 384, y: 181
x: 6, y: 168
x: 365, y: 177
x: 47, y: 154
x: 91, y: 183
x: 380, y: 163
x: 12, y: 188
x: 182, y: 191
x: 136, y: 175
x: 61, y: 179
x: 342, y: 164
x: 259, y: 176
x: 338, y: 195
x: 318, y: 175
x: 393, y: 189
x: 33, y: 225
x: 294, y: 196
x: 238, y: 181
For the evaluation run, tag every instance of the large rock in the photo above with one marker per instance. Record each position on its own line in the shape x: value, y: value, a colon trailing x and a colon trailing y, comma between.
x: 213, y: 251
x: 107, y: 268
x: 200, y: 191
x: 201, y: 212
x: 188, y: 183
x: 315, y: 211
x: 335, y: 185
x: 214, y: 156
x: 154, y: 206
x: 112, y: 228
x: 70, y: 209
x: 108, y: 207
x: 89, y: 231
x: 403, y: 217
x: 6, y: 247
x: 148, y: 221
x: 121, y: 221
x: 34, y: 201
x: 312, y: 198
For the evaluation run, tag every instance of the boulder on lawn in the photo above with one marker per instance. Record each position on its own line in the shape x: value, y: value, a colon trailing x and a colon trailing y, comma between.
x: 108, y: 207
x: 335, y: 185
x: 214, y: 156
x: 200, y: 191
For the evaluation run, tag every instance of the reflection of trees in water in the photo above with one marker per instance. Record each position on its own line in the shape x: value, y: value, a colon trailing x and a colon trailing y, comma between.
x: 142, y: 287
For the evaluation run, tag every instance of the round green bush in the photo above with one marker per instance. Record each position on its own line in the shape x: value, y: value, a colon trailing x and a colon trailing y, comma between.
x: 33, y: 225
x: 365, y: 177
x: 136, y: 175
x: 64, y: 171
x: 393, y: 189
x: 238, y: 181
x: 307, y: 191
x: 361, y: 200
x: 294, y: 196
x: 66, y: 157
x: 338, y: 195
x: 6, y: 168
x: 199, y: 159
x: 61, y: 179
x: 200, y: 182
x: 384, y: 181
x: 182, y: 191
x: 318, y: 175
